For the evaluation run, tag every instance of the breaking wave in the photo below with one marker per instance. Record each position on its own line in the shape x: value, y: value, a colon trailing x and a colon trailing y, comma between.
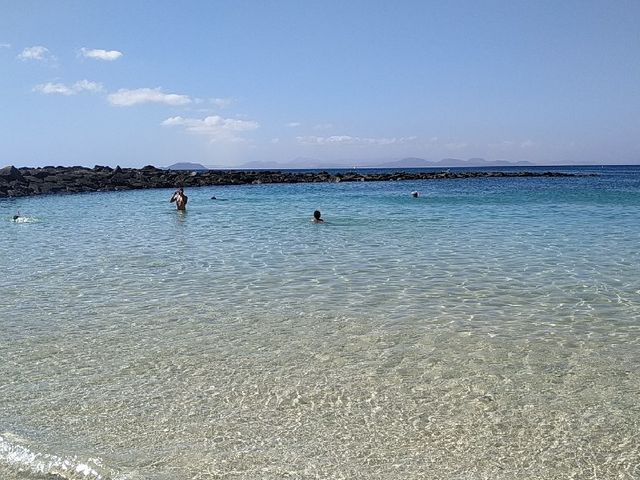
x: 21, y: 459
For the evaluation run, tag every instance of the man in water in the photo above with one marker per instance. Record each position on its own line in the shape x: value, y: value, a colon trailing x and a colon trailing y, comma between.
x: 180, y: 198
x: 316, y: 217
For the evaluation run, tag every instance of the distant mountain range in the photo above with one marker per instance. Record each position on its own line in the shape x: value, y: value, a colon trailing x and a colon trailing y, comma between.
x: 410, y: 162
x: 311, y: 163
x: 453, y: 162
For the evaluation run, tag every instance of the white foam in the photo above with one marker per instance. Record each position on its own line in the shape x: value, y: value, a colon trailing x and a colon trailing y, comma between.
x: 23, y: 459
x: 25, y: 220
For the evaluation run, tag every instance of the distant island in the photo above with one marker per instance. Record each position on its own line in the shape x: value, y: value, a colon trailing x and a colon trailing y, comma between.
x: 412, y: 162
x: 187, y: 166
x: 315, y: 164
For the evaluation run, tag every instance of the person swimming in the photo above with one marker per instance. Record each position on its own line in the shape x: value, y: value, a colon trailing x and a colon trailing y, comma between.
x: 19, y: 218
x: 415, y: 194
x: 180, y: 198
x: 316, y: 217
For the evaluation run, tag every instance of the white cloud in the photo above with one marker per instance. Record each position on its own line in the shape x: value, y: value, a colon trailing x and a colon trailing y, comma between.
x: 62, y: 89
x: 527, y: 144
x: 127, y: 98
x: 323, y: 126
x: 5, y: 45
x: 88, y: 86
x: 221, y: 102
x: 349, y: 140
x: 99, y: 54
x: 293, y: 124
x: 218, y: 129
x: 48, y: 88
x: 38, y: 52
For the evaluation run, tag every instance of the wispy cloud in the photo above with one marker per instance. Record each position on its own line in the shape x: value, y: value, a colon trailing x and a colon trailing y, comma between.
x: 455, y: 145
x: 349, y: 140
x: 293, y: 124
x: 128, y: 98
x: 99, y: 54
x: 511, y: 144
x: 217, y: 128
x: 38, y: 53
x: 221, y: 102
x: 62, y: 89
x: 5, y: 45
x: 323, y: 126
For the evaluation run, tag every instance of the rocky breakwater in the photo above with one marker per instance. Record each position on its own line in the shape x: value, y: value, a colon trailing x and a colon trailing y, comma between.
x: 20, y: 182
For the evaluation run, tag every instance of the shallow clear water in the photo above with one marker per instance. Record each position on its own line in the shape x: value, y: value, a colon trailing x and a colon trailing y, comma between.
x: 489, y: 329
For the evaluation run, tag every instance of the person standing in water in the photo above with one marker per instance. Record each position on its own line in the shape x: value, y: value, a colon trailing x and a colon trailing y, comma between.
x: 316, y: 217
x: 180, y: 198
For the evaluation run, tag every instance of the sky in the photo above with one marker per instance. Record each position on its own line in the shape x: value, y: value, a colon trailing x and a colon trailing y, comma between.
x: 223, y: 83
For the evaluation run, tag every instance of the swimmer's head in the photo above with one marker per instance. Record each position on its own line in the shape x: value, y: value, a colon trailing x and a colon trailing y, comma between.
x: 415, y: 194
x: 316, y: 214
x: 15, y: 217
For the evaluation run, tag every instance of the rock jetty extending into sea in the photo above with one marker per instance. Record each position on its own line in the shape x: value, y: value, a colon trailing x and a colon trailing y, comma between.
x: 21, y: 182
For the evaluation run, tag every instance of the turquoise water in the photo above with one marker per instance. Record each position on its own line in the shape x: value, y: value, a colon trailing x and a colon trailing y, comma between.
x: 489, y: 329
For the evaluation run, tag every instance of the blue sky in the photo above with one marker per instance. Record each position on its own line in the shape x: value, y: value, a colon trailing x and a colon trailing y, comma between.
x: 222, y: 83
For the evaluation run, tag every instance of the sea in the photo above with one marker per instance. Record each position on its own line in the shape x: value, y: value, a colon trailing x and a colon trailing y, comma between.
x: 488, y: 329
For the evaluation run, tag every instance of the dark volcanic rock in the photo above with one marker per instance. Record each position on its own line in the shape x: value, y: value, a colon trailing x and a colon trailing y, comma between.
x: 11, y: 173
x: 21, y: 182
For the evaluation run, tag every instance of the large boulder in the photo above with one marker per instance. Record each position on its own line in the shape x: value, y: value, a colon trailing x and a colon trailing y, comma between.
x: 10, y: 173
